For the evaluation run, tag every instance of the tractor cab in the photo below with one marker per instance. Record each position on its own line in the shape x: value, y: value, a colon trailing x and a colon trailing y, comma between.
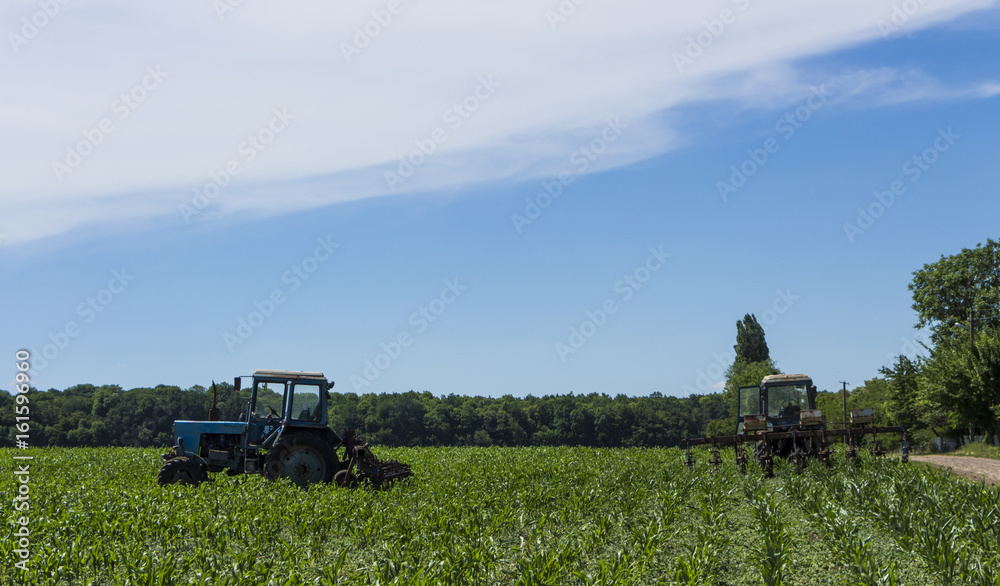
x: 779, y: 403
x: 281, y: 399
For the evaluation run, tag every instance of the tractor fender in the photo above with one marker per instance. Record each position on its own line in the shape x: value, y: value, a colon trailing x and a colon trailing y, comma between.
x: 324, y: 433
x: 330, y: 436
x: 193, y: 456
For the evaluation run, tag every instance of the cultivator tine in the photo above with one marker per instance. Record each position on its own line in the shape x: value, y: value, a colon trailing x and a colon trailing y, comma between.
x: 741, y: 456
x: 715, y: 460
x: 798, y: 459
x: 390, y: 471
x: 877, y: 448
x: 852, y: 451
x: 824, y: 449
x: 688, y: 457
x: 766, y: 457
x: 798, y: 455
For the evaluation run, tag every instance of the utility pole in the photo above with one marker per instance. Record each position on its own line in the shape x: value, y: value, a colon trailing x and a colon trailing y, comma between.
x: 845, y: 403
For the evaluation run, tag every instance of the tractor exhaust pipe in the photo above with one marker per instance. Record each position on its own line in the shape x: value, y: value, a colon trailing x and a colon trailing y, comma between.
x: 213, y: 413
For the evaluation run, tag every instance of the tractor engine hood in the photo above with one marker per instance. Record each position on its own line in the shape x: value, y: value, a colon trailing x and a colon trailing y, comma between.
x: 189, y: 432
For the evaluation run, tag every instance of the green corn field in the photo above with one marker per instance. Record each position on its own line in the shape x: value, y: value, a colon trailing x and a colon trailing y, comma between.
x: 503, y: 516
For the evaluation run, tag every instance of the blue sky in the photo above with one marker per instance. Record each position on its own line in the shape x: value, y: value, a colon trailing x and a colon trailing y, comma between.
x: 321, y: 250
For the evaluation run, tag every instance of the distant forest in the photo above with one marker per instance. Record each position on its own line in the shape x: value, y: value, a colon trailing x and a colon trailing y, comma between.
x: 88, y: 415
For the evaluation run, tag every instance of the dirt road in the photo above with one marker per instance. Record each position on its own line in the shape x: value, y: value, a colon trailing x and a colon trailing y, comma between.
x: 974, y: 468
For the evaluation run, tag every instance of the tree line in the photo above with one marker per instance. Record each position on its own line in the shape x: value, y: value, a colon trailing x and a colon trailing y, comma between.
x: 88, y: 415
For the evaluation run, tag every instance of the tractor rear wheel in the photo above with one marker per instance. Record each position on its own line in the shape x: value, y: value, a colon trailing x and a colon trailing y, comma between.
x: 302, y: 458
x: 182, y: 470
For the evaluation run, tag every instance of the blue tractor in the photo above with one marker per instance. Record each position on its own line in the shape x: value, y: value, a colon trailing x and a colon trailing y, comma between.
x: 282, y: 433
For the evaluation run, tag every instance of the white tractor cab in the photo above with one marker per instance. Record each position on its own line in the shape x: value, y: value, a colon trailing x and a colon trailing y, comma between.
x: 779, y: 403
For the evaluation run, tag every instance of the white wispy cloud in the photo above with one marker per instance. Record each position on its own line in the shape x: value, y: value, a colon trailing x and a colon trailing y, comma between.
x: 500, y: 89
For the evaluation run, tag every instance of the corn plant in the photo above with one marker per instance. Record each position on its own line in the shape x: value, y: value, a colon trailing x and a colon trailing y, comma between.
x: 773, y: 556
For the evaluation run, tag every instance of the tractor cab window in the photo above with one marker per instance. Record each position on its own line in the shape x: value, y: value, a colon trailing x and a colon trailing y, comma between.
x: 786, y: 400
x: 270, y: 396
x: 749, y: 401
x: 305, y: 402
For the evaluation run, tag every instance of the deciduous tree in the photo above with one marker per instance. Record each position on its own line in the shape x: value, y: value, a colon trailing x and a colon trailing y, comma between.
x: 958, y: 298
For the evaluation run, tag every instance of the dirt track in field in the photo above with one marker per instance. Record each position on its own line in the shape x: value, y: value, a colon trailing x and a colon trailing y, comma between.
x: 974, y: 468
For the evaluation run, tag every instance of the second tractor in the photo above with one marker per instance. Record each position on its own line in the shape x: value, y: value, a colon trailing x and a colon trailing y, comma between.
x: 778, y: 419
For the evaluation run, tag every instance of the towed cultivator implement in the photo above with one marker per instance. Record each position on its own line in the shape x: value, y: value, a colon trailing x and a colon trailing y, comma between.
x: 779, y: 419
x: 364, y: 469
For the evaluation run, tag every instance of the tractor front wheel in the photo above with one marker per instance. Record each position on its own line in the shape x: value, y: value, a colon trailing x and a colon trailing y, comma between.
x: 181, y: 470
x: 302, y: 458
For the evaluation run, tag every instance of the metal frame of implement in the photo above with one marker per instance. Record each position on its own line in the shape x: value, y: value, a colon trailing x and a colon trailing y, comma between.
x: 766, y: 439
